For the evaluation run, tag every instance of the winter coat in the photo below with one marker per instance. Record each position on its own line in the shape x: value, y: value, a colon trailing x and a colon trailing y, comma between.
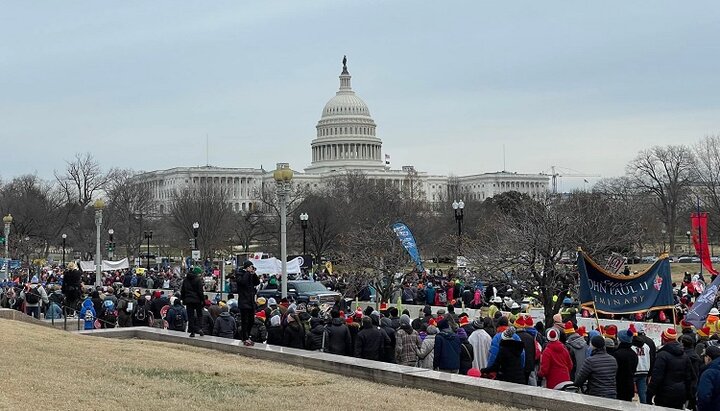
x: 294, y: 335
x: 258, y: 332
x: 177, y: 318
x: 653, y: 348
x: 275, y: 335
x: 495, y: 347
x: 466, y: 356
x: 71, y: 285
x: 207, y: 322
x: 225, y: 326
x: 643, y: 354
x: 192, y: 291
x: 338, y: 340
x: 427, y: 351
x: 708, y: 392
x: 627, y: 362
x: 672, y: 377
x: 407, y: 346
x: 370, y: 343
x: 446, y: 354
x: 529, y: 343
x: 555, y: 364
x: 246, y: 283
x: 480, y: 341
x: 508, y: 364
x: 314, y: 338
x: 599, y: 370
x: 87, y: 305
x: 389, y: 351
x: 578, y: 349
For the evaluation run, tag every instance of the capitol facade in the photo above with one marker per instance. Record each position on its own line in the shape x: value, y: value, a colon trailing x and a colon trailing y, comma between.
x: 345, y: 140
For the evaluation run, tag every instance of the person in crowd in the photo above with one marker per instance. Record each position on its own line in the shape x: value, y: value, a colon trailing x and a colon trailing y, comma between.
x: 555, y: 362
x: 370, y: 341
x: 446, y: 355
x: 598, y: 370
x: 466, y: 352
x: 642, y: 350
x: 34, y: 296
x: 480, y: 341
x: 407, y: 343
x: 177, y: 316
x: 522, y: 323
x: 275, y: 331
x: 672, y: 376
x: 708, y: 392
x: 386, y: 327
x: 258, y: 332
x: 247, y: 281
x: 88, y: 314
x: 294, y: 332
x: 338, y: 336
x: 208, y: 322
x: 627, y: 361
x: 426, y: 354
x: 688, y: 344
x: 509, y: 364
x: 316, y: 336
x: 225, y: 325
x: 72, y: 287
x: 193, y: 295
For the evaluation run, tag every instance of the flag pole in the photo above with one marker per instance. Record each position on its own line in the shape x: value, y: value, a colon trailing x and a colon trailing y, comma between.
x: 700, y: 237
x: 597, y: 318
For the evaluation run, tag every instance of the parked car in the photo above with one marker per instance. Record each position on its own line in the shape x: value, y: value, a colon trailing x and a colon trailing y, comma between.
x: 303, y: 291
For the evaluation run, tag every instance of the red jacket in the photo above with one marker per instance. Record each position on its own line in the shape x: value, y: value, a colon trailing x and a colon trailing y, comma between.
x: 555, y: 364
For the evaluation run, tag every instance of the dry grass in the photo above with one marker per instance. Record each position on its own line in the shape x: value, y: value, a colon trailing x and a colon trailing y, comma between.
x: 44, y: 368
x: 677, y: 270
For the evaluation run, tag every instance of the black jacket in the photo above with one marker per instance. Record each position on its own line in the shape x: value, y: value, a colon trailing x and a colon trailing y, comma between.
x: 370, y: 343
x: 246, y: 283
x: 672, y: 377
x: 466, y: 356
x: 508, y: 363
x: 225, y: 326
x: 627, y: 361
x: 192, y: 290
x: 275, y: 335
x: 338, y: 340
x: 294, y: 335
x: 314, y: 339
x: 600, y: 371
x: 529, y: 343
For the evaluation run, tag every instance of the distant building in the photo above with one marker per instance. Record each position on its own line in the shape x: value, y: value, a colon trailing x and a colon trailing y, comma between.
x: 345, y: 140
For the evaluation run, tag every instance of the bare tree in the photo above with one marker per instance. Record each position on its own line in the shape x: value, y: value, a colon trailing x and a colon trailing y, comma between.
x: 707, y: 177
x: 127, y: 202
x: 82, y: 179
x: 666, y: 173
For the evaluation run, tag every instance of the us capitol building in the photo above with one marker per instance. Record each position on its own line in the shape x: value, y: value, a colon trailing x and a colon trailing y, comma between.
x: 345, y: 140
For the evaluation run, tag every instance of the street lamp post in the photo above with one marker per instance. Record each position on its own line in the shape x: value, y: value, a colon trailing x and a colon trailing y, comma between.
x: 148, y: 237
x: 283, y: 177
x: 663, y: 232
x: 458, y: 207
x: 99, y: 205
x: 64, y: 237
x: 304, y: 224
x: 688, y: 234
x: 196, y: 227
x: 8, y: 221
x: 111, y: 244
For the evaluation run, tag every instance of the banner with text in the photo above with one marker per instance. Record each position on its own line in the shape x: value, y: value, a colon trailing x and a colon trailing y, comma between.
x: 611, y: 293
x: 407, y: 239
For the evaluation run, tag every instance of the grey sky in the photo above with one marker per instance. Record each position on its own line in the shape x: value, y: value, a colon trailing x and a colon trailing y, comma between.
x: 582, y: 85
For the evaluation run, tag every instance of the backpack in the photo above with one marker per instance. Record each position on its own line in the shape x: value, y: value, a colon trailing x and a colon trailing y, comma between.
x: 442, y: 297
x: 32, y: 296
x: 110, y: 314
x: 177, y: 320
x: 133, y: 281
x: 140, y: 314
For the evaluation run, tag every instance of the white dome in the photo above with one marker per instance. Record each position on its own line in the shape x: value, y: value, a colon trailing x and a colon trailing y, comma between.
x: 345, y: 104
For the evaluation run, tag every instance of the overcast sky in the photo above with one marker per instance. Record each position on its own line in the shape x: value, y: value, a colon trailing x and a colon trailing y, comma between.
x: 580, y: 85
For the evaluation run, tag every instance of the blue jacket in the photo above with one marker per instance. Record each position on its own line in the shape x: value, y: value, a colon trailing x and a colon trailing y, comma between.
x: 87, y: 306
x: 447, y: 351
x: 495, y: 349
x: 708, y: 393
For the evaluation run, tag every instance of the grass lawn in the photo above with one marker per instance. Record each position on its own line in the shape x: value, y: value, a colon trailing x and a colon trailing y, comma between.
x: 677, y: 269
x: 43, y: 368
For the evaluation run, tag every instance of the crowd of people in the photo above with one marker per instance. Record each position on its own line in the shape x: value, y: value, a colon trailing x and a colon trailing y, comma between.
x: 506, y: 344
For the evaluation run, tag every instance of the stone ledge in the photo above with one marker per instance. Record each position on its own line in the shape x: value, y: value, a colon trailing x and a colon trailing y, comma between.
x: 477, y: 389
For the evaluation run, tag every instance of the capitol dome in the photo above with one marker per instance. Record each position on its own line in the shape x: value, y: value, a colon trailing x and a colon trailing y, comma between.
x: 345, y: 137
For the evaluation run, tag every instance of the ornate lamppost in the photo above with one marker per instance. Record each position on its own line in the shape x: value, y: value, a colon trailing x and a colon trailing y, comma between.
x: 283, y: 177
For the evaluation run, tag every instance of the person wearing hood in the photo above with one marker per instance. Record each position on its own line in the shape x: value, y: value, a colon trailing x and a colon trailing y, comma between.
x: 522, y: 323
x: 426, y: 353
x: 407, y: 343
x: 495, y: 344
x: 642, y: 350
x: 598, y: 370
x: 672, y: 377
x: 480, y: 341
x: 314, y: 339
x: 294, y: 332
x: 555, y: 362
x: 578, y: 349
x: 193, y: 295
x: 465, y: 323
x: 225, y: 325
x: 508, y: 364
x: 370, y: 341
x: 338, y: 340
x: 466, y: 352
x: 88, y: 314
x: 627, y: 361
x: 386, y: 327
x: 275, y: 331
x: 446, y: 354
x: 708, y: 392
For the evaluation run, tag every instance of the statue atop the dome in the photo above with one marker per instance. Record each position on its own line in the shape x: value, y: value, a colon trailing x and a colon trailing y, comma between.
x: 345, y: 65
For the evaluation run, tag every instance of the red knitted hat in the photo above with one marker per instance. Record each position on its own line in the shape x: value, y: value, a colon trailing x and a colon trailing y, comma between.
x: 669, y: 335
x: 610, y: 331
x: 685, y: 325
x: 464, y: 320
x: 519, y: 322
x: 632, y: 329
x: 704, y: 332
x: 582, y: 331
x: 260, y: 314
x: 569, y: 327
x: 432, y: 322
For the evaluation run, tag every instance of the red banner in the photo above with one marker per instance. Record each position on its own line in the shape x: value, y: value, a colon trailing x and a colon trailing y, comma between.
x: 698, y: 223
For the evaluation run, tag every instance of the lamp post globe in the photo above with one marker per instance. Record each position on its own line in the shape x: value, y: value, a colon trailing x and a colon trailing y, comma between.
x: 64, y: 237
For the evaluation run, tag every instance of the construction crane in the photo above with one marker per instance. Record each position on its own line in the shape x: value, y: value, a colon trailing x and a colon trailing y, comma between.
x: 554, y: 174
